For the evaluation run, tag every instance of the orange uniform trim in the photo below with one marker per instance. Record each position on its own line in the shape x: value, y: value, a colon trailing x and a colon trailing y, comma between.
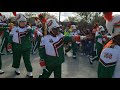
x: 108, y: 44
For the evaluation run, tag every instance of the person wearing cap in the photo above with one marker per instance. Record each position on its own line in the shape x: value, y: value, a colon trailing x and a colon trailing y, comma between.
x: 36, y: 37
x: 109, y: 63
x: 104, y: 35
x: 61, y: 29
x: 67, y: 45
x: 66, y: 31
x: 5, y: 35
x: 74, y: 44
x: 38, y: 25
x: 98, y: 45
x: 21, y: 45
x: 113, y: 27
x: 5, y: 39
x: 3, y: 28
x: 32, y: 37
x: 51, y: 50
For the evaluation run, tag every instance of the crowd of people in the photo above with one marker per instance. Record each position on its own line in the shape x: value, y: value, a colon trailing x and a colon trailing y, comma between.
x: 54, y: 41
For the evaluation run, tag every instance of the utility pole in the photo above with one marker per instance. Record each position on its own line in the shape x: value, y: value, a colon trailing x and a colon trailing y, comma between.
x: 59, y: 16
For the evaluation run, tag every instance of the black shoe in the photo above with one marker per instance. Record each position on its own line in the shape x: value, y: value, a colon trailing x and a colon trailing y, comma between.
x: 74, y: 57
x: 91, y: 62
x: 29, y: 76
x: 40, y: 76
x: 34, y: 53
x: 9, y: 53
x: 2, y: 53
x: 2, y: 72
x: 17, y: 73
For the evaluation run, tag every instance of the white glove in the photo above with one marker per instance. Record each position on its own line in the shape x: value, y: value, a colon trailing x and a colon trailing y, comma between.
x: 39, y: 33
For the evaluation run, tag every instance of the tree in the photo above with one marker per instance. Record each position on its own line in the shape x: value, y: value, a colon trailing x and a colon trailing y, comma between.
x: 51, y: 16
x: 90, y: 18
x: 87, y: 16
x: 29, y: 14
x: 47, y: 15
x: 82, y: 24
x: 99, y: 20
x: 72, y: 19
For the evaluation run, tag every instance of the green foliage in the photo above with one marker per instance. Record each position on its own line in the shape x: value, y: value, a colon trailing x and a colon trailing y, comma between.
x: 88, y: 19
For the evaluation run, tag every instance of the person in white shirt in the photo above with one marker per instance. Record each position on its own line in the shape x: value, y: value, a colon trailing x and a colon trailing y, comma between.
x: 109, y: 62
x: 21, y: 44
x: 109, y: 66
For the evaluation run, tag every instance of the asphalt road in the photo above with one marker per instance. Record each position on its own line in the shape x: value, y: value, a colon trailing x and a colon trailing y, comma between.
x: 71, y: 68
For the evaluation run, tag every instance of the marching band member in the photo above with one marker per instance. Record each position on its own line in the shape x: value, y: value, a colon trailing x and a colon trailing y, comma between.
x: 5, y: 35
x: 21, y: 45
x: 74, y: 45
x: 36, y: 37
x: 61, y: 29
x: 5, y: 39
x: 99, y: 44
x: 51, y: 50
x: 3, y: 28
x: 109, y: 59
x: 109, y: 62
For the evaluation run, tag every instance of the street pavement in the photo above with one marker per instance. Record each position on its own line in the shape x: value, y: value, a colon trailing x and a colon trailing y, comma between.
x: 71, y: 68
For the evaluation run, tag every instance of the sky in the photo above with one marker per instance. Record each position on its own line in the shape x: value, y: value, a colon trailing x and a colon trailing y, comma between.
x: 64, y: 15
